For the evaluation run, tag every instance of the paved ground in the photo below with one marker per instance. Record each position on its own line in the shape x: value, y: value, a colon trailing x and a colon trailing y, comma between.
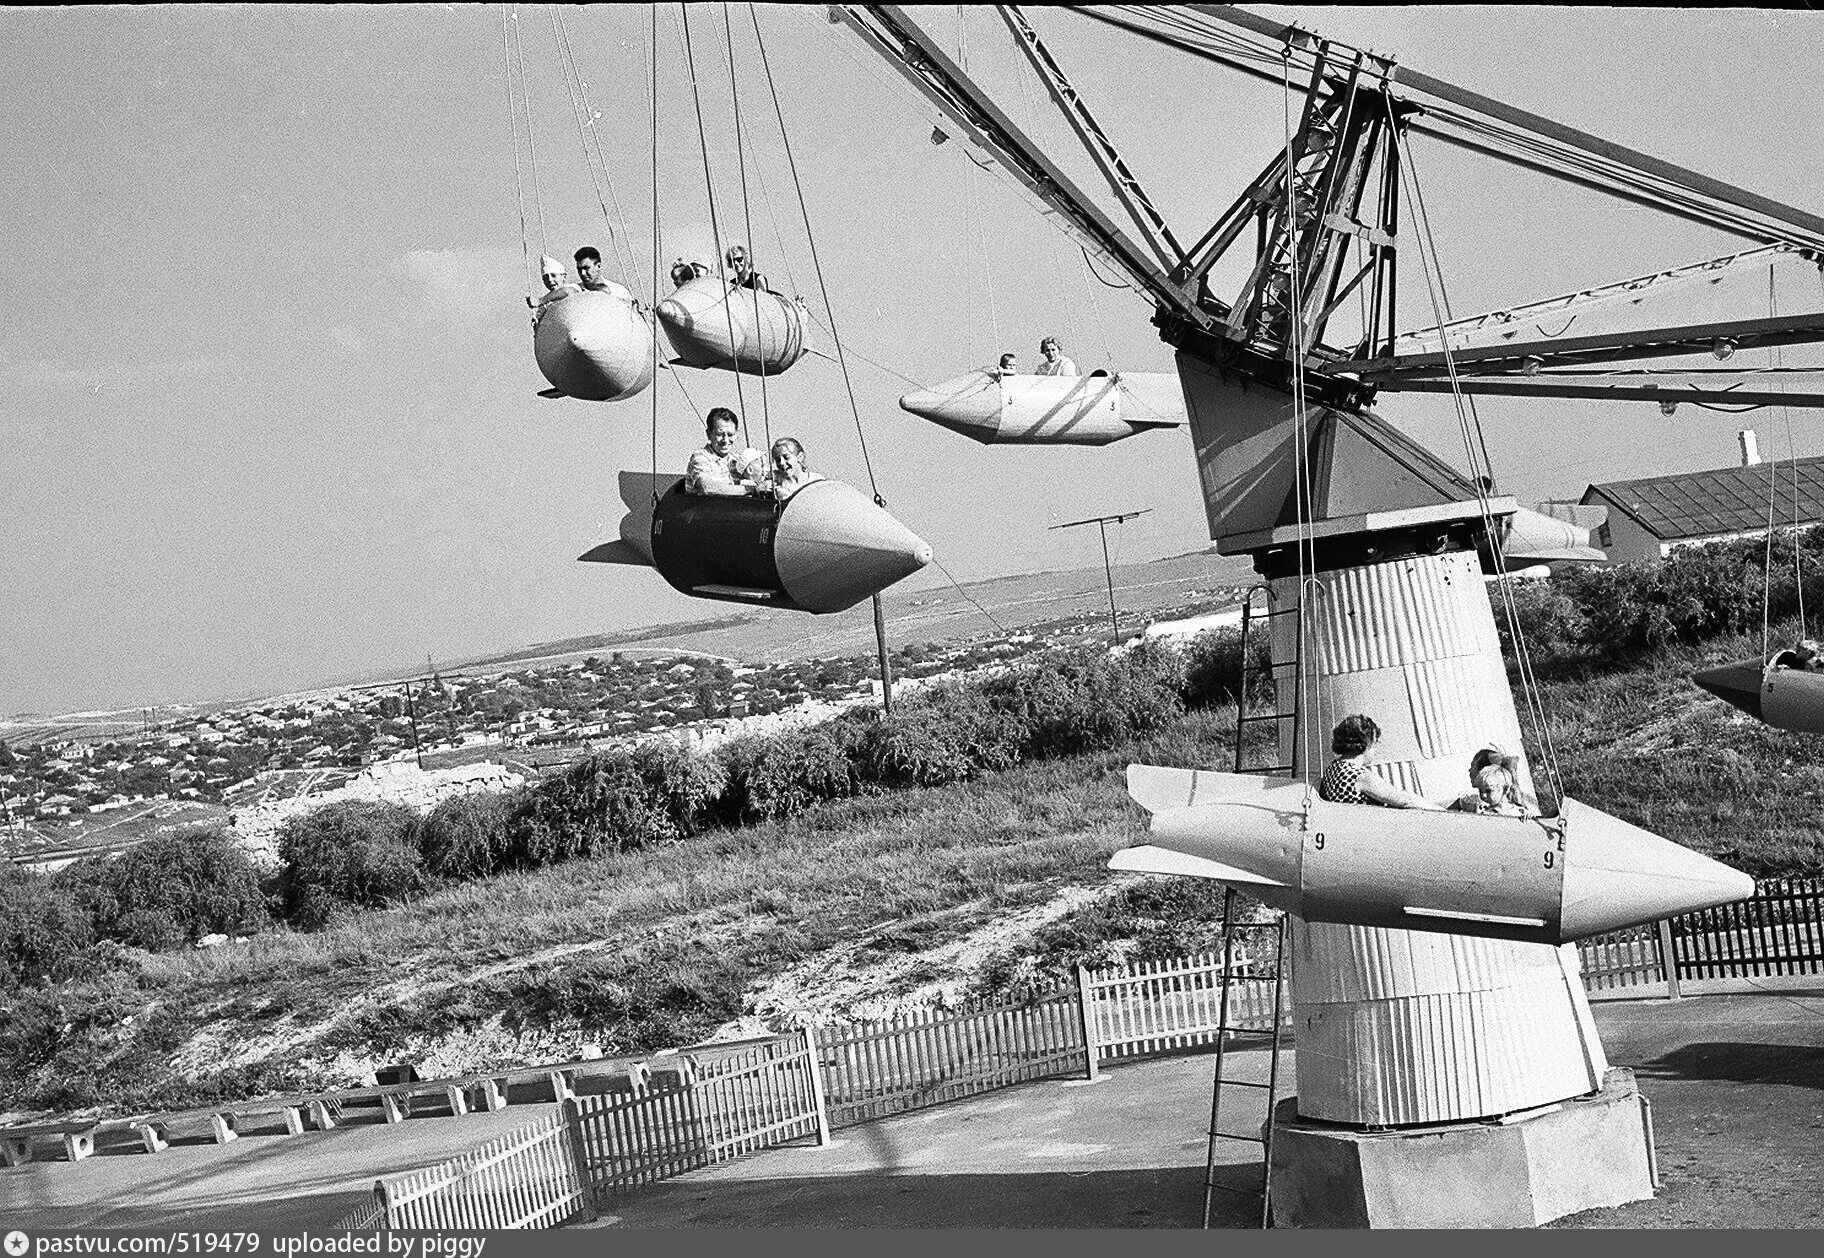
x: 1736, y: 1082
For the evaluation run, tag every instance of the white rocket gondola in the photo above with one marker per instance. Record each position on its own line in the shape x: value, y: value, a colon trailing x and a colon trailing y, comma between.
x: 751, y: 330
x: 594, y: 346
x: 1783, y: 693
x: 1581, y: 874
x: 999, y: 409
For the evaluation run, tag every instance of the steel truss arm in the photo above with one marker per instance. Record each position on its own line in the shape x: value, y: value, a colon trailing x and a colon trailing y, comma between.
x: 924, y: 65
x: 1727, y: 389
x: 1611, y: 347
x: 1469, y: 120
x: 1101, y: 149
x: 1507, y: 322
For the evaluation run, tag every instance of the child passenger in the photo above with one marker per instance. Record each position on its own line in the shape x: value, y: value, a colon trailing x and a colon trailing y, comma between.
x: 1497, y: 793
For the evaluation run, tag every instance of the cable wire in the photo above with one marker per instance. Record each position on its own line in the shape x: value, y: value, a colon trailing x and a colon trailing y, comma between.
x: 816, y: 262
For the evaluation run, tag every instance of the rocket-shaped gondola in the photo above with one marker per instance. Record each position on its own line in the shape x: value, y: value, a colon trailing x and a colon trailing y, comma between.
x: 1533, y: 879
x: 825, y: 549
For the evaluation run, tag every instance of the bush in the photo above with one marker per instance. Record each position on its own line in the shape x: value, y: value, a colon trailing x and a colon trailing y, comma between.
x: 465, y: 836
x: 614, y: 802
x: 351, y: 853
x: 773, y: 777
x: 40, y: 926
x: 170, y: 890
x: 919, y: 745
x: 1067, y: 704
x: 1212, y: 664
x: 1550, y: 621
x: 680, y: 784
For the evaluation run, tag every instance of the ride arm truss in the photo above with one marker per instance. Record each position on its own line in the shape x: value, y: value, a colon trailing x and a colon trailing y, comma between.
x: 1259, y: 47
x: 1507, y: 323
x: 918, y: 59
x: 1730, y: 389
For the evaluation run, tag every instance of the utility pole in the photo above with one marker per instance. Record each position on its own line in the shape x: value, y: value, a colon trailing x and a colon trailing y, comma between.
x: 886, y: 665
x: 1102, y: 522
x: 411, y: 714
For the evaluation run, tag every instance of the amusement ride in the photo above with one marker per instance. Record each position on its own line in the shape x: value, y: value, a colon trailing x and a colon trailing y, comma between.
x: 1431, y: 972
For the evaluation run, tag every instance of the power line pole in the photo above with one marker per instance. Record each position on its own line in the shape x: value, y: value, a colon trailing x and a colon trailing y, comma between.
x: 1102, y: 522
x: 886, y: 665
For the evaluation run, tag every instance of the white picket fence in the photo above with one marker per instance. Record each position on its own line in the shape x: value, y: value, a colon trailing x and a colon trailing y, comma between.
x: 525, y: 1179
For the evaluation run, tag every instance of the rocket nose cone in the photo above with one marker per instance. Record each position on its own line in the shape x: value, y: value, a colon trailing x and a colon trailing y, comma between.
x: 1618, y: 875
x: 1738, y: 683
x: 834, y: 547
x: 969, y: 404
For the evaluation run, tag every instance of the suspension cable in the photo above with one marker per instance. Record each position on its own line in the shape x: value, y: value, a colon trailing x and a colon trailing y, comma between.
x: 1305, y: 547
x: 658, y: 244
x: 1470, y: 425
x: 585, y: 115
x: 957, y: 586
x: 715, y: 223
x: 747, y: 212
x: 525, y: 100
x: 1776, y: 360
x: 519, y: 188
x: 816, y: 262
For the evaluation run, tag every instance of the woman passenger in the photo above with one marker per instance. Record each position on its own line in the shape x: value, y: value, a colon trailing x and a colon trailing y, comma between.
x: 1349, y: 780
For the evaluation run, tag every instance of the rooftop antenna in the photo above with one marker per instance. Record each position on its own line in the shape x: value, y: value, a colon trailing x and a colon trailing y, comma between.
x: 1102, y: 522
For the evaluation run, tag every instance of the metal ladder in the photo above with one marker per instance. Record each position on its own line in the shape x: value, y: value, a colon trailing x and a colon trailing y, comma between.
x: 1263, y: 1135
x: 1243, y: 718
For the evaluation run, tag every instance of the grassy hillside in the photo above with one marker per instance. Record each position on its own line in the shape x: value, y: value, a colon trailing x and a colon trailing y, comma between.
x: 962, y: 889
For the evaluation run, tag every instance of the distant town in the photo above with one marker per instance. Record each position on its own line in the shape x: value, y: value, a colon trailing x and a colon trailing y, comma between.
x: 535, y: 716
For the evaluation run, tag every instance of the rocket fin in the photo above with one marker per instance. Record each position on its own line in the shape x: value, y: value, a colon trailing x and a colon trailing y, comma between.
x: 1145, y: 858
x: 1158, y: 789
x: 615, y: 552
x: 1151, y: 399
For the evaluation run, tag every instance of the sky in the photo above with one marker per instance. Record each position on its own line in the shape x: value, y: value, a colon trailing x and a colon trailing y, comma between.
x: 269, y: 404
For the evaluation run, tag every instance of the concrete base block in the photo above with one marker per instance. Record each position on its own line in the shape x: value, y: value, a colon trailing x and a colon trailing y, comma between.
x: 223, y: 1127
x: 1520, y: 1171
x: 323, y: 1114
x: 152, y: 1137
x: 15, y: 1150
x: 458, y: 1098
x: 78, y: 1145
x: 493, y: 1094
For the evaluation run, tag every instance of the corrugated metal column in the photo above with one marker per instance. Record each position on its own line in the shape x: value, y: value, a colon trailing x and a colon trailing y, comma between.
x: 1398, y: 1027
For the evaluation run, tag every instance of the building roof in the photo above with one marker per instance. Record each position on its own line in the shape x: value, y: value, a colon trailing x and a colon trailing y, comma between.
x: 1722, y: 500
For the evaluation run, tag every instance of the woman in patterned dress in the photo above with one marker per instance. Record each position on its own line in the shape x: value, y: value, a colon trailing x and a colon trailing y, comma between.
x: 1349, y: 780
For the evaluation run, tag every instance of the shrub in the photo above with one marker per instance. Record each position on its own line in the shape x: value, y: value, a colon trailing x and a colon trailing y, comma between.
x: 917, y: 746
x: 771, y: 778
x: 40, y: 925
x: 1550, y: 621
x: 172, y: 889
x: 356, y: 852
x: 465, y: 836
x: 680, y: 783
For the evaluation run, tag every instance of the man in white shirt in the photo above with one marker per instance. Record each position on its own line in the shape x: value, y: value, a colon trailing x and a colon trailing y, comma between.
x: 1055, y: 363
x: 589, y: 271
x: 717, y: 469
